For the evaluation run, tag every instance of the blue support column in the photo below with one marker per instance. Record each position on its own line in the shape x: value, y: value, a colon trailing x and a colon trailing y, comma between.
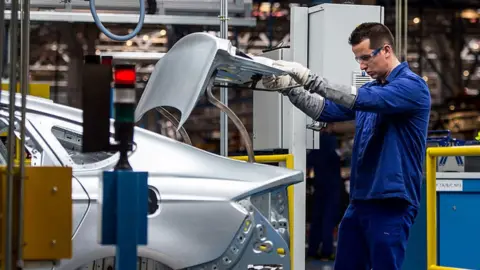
x: 124, y: 209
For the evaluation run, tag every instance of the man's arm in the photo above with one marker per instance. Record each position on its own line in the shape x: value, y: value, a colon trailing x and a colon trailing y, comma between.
x: 335, y: 113
x: 401, y: 95
x: 317, y: 108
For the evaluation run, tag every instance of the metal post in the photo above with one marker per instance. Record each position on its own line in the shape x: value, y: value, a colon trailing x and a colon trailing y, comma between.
x: 11, y: 135
x: 24, y: 83
x: 223, y: 90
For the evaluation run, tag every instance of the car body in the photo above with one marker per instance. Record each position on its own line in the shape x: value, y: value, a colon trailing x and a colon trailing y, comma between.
x: 206, y: 211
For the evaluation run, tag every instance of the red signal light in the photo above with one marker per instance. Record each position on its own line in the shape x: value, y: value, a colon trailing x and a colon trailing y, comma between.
x: 125, y: 76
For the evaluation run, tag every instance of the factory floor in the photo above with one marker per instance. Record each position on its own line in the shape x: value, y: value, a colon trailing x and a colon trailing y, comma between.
x: 318, y: 265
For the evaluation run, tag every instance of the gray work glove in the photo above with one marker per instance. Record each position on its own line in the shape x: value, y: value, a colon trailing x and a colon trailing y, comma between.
x: 309, y: 103
x: 299, y: 75
x: 340, y: 94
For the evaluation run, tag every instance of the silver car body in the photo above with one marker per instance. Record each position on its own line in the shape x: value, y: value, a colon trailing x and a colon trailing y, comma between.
x: 214, y: 212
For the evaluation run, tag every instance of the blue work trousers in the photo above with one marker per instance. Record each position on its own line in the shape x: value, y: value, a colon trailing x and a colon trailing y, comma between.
x: 373, y: 235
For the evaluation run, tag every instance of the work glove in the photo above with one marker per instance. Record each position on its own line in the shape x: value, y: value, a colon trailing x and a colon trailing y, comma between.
x: 298, y: 75
x: 341, y: 94
x: 310, y: 104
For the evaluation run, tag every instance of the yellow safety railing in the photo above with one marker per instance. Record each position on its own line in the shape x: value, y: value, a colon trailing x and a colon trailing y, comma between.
x: 288, y: 159
x: 431, y: 178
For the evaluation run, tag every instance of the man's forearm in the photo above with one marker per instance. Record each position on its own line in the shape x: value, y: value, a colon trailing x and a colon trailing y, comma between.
x: 341, y: 94
x: 309, y: 103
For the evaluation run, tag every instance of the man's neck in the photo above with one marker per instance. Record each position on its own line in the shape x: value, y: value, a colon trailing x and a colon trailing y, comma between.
x: 393, y: 64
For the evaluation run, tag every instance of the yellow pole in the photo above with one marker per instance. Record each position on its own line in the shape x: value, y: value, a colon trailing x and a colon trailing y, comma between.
x: 291, y: 210
x: 432, y: 210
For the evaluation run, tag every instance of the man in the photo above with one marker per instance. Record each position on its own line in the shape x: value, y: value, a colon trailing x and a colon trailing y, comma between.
x: 391, y: 115
x: 327, y: 183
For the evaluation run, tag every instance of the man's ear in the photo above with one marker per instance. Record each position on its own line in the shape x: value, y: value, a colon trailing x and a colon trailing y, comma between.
x: 388, y: 50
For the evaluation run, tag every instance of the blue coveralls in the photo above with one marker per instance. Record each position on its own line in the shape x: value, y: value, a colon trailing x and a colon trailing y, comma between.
x: 326, y: 197
x: 386, y: 173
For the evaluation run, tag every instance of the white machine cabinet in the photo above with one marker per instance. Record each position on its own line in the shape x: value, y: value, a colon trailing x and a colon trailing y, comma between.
x: 319, y: 40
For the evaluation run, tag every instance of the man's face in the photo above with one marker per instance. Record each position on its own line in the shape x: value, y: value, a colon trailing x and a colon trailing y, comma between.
x: 372, y: 60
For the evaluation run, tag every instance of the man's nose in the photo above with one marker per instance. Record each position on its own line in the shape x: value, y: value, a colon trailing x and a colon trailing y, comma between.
x: 363, y: 66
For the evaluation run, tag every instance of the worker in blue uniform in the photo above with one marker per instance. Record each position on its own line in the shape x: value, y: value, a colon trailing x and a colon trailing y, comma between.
x: 327, y: 184
x: 391, y: 116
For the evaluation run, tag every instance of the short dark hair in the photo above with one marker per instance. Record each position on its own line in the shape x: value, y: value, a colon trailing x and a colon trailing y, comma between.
x: 378, y: 34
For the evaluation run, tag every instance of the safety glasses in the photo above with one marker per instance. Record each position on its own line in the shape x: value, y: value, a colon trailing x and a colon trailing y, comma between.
x: 368, y: 57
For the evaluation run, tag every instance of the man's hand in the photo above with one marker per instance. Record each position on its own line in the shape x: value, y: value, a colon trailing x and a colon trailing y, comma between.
x: 340, y: 94
x: 297, y: 71
x: 316, y: 84
x: 298, y: 75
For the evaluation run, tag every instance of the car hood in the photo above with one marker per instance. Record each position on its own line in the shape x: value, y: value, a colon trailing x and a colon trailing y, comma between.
x: 182, y: 75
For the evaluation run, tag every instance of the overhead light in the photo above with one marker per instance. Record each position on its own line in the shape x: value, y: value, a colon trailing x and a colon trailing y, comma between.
x: 163, y: 32
x: 416, y: 20
x: 475, y: 46
x: 425, y: 78
x: 466, y: 73
x: 145, y: 37
x: 469, y: 14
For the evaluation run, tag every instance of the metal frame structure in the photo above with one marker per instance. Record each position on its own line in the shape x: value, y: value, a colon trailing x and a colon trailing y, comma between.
x: 65, y: 16
x: 431, y: 178
x: 163, y: 6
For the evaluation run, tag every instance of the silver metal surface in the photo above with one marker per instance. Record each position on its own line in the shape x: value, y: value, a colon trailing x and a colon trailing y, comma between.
x: 63, y: 16
x: 186, y: 69
x: 224, y: 91
x: 24, y: 84
x: 203, y: 203
x: 11, y: 131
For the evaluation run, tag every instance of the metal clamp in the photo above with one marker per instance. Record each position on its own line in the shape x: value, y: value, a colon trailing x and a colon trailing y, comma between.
x: 316, y: 125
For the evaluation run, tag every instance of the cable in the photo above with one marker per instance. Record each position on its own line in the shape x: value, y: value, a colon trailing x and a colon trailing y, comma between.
x: 238, y: 123
x: 111, y: 35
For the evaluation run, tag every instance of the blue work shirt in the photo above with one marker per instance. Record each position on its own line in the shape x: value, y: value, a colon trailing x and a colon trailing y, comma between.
x: 390, y: 136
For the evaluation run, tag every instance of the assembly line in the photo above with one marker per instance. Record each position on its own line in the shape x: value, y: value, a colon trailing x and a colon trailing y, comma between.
x: 141, y: 200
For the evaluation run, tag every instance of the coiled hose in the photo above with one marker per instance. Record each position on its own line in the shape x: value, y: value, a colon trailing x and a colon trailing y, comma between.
x: 109, y: 34
x: 170, y: 117
x: 241, y: 128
